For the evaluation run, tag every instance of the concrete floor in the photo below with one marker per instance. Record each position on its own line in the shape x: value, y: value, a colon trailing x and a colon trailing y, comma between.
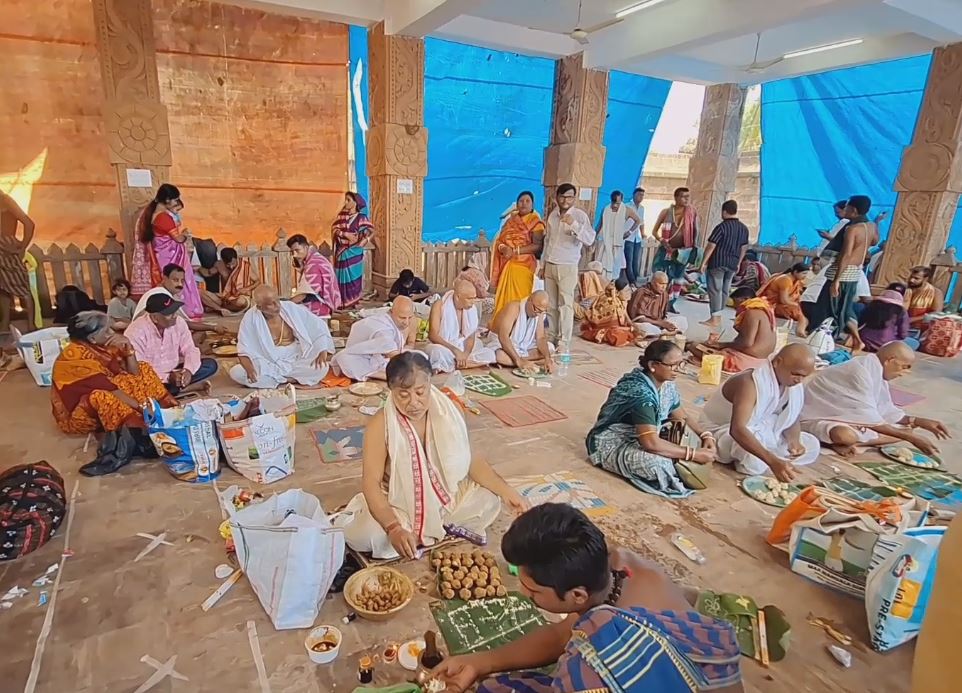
x: 110, y: 612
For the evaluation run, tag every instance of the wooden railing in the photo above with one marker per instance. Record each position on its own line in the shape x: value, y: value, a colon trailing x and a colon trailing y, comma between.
x: 94, y: 269
x: 441, y: 262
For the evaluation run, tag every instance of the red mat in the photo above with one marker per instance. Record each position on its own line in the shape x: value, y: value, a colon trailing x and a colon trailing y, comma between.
x: 901, y: 398
x: 605, y: 377
x: 522, y: 411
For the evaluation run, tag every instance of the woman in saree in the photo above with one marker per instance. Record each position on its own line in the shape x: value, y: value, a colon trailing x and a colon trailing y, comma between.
x: 317, y: 287
x: 351, y: 230
x: 517, y: 246
x: 162, y: 241
x: 98, y: 384
x: 626, y: 440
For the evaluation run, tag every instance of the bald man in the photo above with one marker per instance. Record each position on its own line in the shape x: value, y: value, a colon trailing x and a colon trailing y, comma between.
x: 453, y: 331
x: 756, y: 415
x: 648, y: 309
x: 519, y: 336
x: 850, y: 404
x: 375, y: 339
x: 281, y: 342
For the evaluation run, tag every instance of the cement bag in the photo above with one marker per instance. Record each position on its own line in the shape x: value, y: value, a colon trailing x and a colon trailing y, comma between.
x: 289, y: 552
x: 899, y: 583
x: 186, y: 438
x: 39, y: 350
x: 832, y: 538
x: 261, y: 447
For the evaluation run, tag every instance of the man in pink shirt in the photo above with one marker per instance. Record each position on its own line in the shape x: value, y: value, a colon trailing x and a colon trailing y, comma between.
x: 161, y: 338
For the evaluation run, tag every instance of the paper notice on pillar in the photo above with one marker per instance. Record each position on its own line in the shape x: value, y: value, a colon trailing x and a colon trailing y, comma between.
x: 584, y: 194
x: 405, y: 186
x: 139, y: 178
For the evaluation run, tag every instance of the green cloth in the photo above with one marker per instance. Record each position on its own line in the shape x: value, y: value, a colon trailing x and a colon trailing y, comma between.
x: 635, y: 401
x: 310, y: 410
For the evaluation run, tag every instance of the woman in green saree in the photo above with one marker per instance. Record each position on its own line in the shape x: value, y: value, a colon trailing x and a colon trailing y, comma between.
x: 626, y: 440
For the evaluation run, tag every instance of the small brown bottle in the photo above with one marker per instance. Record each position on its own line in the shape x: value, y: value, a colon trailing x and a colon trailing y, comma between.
x: 431, y: 657
x: 365, y: 670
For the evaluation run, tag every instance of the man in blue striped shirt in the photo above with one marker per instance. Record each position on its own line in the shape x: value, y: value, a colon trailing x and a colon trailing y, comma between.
x: 723, y: 255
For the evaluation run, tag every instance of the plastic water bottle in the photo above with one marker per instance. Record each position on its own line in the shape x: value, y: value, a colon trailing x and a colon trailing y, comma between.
x: 564, y: 360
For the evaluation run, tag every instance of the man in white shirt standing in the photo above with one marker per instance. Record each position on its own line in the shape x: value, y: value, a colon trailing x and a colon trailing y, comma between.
x: 635, y: 234
x: 568, y: 232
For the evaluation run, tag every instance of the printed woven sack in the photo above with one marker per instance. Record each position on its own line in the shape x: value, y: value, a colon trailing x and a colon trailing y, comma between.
x: 32, y: 506
x: 186, y: 438
x: 943, y: 337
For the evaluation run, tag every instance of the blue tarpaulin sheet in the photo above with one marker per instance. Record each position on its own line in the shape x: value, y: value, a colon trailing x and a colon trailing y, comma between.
x: 634, y: 107
x: 488, y: 115
x: 835, y: 134
x: 357, y: 39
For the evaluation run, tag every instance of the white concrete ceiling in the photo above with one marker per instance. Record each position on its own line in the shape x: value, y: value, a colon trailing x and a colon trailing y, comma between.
x: 700, y: 41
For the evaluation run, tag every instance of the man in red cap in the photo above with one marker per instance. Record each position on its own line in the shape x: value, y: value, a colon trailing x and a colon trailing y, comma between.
x: 161, y: 338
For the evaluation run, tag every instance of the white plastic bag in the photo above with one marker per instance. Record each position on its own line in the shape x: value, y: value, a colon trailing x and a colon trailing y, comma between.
x: 261, y: 448
x: 39, y: 350
x: 290, y: 553
x: 898, y: 585
x: 822, y: 340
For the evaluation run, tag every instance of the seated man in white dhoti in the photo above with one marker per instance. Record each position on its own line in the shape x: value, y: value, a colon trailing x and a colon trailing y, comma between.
x: 519, y: 337
x: 648, y: 309
x: 418, y: 472
x: 453, y: 331
x: 375, y: 339
x: 850, y: 404
x: 280, y: 342
x: 757, y: 416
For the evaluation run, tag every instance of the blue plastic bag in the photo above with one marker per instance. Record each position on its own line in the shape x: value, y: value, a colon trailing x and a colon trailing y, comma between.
x: 186, y: 438
x: 899, y: 583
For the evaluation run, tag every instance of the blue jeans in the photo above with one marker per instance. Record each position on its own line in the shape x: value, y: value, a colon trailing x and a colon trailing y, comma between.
x: 719, y: 286
x: 632, y: 261
x: 207, y: 369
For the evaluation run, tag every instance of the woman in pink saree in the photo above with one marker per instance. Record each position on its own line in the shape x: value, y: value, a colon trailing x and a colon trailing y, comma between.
x: 160, y: 242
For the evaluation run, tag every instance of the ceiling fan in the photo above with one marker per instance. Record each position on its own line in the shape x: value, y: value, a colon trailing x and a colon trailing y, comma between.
x: 755, y: 66
x: 581, y: 35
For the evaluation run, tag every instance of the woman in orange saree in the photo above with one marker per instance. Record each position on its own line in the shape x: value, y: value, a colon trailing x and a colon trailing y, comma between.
x: 514, y: 261
x: 98, y: 385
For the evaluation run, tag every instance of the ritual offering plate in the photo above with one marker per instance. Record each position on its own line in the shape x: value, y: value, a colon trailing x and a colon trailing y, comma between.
x: 467, y: 576
x: 909, y: 456
x: 537, y: 373
x: 378, y: 593
x: 366, y: 389
x: 769, y: 490
x: 410, y: 653
x: 225, y: 350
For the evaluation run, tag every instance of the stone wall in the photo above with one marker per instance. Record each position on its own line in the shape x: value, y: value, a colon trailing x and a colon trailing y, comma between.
x: 53, y: 153
x: 257, y: 107
x: 665, y: 172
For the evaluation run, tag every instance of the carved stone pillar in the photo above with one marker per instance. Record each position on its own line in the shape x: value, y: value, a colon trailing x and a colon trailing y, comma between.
x: 135, y: 119
x: 713, y: 169
x: 930, y: 177
x: 397, y: 152
x: 576, y: 154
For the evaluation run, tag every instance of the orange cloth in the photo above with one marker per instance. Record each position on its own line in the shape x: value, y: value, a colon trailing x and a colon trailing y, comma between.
x: 772, y: 291
x: 920, y: 301
x: 334, y: 380
x: 737, y: 361
x: 517, y: 232
x: 755, y: 304
x: 85, y: 380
